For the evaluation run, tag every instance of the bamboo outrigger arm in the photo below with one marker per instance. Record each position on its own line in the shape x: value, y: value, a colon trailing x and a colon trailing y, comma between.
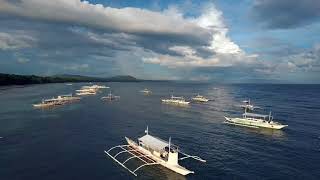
x: 134, y: 154
x: 186, y: 156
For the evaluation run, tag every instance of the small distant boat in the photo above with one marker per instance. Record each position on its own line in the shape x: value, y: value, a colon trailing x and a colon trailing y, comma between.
x: 255, y: 121
x: 95, y: 87
x: 69, y: 84
x: 84, y: 93
x: 176, y: 100
x: 48, y: 102
x: 247, y: 105
x: 200, y: 98
x: 151, y: 150
x: 110, y: 97
x: 146, y: 91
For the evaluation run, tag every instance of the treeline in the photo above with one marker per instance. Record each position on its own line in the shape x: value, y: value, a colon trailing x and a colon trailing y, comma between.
x: 12, y: 79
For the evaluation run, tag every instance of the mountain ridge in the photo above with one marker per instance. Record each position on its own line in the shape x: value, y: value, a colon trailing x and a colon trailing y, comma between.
x: 14, y: 79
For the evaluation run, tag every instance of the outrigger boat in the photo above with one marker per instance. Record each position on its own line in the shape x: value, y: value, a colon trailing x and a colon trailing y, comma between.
x: 247, y: 105
x: 95, y: 87
x: 151, y: 150
x: 255, y: 121
x: 48, y: 103
x: 200, y: 98
x: 86, y: 91
x: 176, y: 100
x: 146, y: 91
x: 110, y: 97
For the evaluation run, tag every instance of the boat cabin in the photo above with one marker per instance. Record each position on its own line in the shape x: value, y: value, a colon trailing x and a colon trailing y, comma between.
x: 254, y: 116
x: 157, y: 146
x: 177, y: 98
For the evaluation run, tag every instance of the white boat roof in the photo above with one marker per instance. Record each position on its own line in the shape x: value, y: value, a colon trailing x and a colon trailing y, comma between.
x: 66, y: 95
x: 177, y: 97
x: 153, y: 142
x: 255, y: 115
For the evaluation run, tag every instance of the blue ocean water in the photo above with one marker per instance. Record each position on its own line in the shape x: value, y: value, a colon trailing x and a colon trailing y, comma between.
x: 68, y: 142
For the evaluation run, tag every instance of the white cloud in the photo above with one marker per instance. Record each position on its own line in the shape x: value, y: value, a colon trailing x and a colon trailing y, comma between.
x: 77, y: 67
x: 23, y: 60
x: 183, y: 50
x: 224, y: 51
x: 212, y: 19
x: 12, y: 41
x: 167, y: 38
x: 129, y: 20
x: 304, y: 62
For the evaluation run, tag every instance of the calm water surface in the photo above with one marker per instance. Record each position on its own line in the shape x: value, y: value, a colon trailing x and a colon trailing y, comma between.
x: 67, y: 142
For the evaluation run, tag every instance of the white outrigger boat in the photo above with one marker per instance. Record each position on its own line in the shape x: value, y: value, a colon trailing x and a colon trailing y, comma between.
x: 110, y: 97
x: 95, y: 87
x: 48, y: 103
x: 247, y: 105
x: 86, y: 91
x: 146, y: 91
x: 200, y: 98
x: 151, y: 150
x: 255, y: 121
x: 176, y: 100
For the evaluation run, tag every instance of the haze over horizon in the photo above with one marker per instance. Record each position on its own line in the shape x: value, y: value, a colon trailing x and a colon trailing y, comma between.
x: 220, y: 40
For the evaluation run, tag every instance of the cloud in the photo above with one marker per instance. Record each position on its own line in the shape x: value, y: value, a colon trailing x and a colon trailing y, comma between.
x: 16, y: 40
x: 77, y: 67
x: 22, y: 60
x: 128, y: 39
x: 305, y: 62
x: 220, y: 51
x: 128, y: 20
x: 284, y: 14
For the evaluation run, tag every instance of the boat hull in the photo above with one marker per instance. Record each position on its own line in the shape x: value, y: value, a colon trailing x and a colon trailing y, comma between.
x: 176, y: 168
x: 254, y: 123
x: 175, y: 102
x: 200, y: 100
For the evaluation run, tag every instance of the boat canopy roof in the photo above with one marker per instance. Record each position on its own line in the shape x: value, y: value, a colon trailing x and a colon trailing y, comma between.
x: 255, y: 115
x: 153, y: 142
x: 66, y: 95
x: 176, y: 97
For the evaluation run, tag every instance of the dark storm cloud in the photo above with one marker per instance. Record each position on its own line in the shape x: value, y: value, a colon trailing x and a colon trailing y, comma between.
x: 284, y: 14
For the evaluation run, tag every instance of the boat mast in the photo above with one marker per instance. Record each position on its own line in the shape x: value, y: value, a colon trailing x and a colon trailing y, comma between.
x: 147, y: 130
x: 169, y: 143
x: 269, y: 116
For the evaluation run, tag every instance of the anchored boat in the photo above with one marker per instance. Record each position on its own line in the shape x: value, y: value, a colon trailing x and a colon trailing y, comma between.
x: 95, y: 86
x: 176, y: 100
x: 146, y: 91
x: 255, y: 121
x: 110, y: 97
x: 86, y: 91
x: 151, y: 150
x: 200, y: 98
x: 48, y: 103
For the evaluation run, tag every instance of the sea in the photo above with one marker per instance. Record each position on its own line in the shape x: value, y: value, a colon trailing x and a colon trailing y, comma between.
x: 68, y: 142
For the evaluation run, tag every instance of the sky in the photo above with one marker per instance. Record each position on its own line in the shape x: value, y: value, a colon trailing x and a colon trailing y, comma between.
x: 243, y: 41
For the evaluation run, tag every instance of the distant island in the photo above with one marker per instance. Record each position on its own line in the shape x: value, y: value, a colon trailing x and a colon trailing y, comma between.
x: 13, y: 79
